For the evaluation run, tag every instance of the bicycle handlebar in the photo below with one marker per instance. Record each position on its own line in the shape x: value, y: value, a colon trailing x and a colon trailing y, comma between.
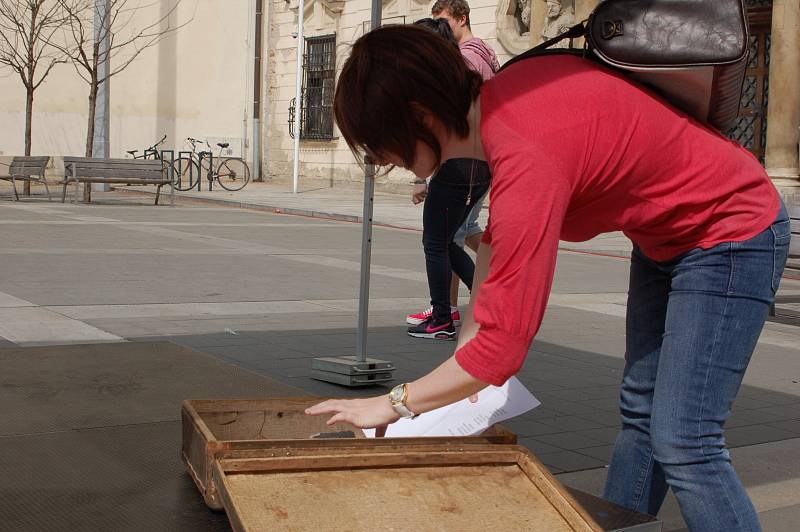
x: 157, y: 144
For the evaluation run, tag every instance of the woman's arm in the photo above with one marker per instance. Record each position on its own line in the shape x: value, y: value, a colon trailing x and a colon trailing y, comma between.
x: 445, y: 385
x: 449, y: 382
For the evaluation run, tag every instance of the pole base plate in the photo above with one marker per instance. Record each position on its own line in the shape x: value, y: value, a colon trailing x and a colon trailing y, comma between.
x: 349, y: 371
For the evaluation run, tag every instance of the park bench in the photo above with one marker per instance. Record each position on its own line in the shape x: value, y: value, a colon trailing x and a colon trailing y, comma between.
x: 116, y: 171
x: 26, y: 169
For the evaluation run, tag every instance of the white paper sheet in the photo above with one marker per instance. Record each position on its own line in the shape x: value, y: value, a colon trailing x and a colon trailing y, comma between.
x: 495, y: 404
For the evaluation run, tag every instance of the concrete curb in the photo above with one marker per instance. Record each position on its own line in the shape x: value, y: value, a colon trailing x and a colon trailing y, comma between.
x: 322, y: 215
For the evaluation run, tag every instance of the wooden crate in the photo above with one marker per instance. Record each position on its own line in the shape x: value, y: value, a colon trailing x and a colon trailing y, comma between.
x: 215, y: 429
x: 472, y: 489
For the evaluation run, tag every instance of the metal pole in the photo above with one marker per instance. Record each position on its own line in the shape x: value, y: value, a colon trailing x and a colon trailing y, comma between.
x: 298, y: 102
x: 102, y: 31
x: 375, y: 15
x: 366, y: 256
x: 366, y: 229
x: 257, y: 52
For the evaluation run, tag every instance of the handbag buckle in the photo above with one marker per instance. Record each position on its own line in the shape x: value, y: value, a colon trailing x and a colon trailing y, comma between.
x: 611, y: 29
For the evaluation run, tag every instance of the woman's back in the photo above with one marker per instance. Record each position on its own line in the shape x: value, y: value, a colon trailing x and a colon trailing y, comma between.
x: 632, y: 161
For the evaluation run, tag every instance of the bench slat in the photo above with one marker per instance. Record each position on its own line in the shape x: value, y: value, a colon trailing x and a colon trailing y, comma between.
x: 114, y: 170
x: 128, y: 173
x: 132, y: 181
x: 26, y: 166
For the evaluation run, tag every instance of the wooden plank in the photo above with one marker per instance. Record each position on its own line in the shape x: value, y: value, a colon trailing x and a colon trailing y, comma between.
x: 226, y: 501
x: 794, y: 243
x: 125, y: 170
x: 252, y: 428
x: 562, y: 499
x: 92, y: 160
x: 500, y: 487
x: 132, y: 180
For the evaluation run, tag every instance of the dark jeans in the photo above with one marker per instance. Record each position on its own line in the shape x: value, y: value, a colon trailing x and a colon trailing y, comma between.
x: 446, y: 208
x: 692, y: 325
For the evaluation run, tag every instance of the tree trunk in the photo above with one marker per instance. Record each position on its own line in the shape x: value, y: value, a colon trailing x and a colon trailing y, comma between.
x: 28, y: 118
x: 90, y: 124
x: 87, y: 187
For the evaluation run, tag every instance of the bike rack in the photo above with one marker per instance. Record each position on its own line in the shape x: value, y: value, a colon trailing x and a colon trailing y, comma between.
x: 210, y: 173
x: 188, y: 155
x: 170, y: 172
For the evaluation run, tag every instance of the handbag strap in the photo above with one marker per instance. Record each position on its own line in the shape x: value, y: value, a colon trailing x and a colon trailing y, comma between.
x: 578, y: 30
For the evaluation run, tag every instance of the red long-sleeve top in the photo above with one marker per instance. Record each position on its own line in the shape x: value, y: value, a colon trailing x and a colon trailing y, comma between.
x: 577, y: 150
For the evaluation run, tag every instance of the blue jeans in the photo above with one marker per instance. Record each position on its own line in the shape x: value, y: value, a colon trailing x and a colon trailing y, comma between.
x: 692, y: 325
x: 470, y: 226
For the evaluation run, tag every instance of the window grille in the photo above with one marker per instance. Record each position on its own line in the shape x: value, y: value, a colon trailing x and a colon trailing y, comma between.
x: 319, y: 80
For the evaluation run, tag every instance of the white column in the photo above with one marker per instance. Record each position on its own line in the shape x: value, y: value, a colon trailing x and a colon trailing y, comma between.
x: 783, y: 112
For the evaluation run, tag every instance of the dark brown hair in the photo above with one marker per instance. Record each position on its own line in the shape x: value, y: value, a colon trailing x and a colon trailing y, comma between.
x: 440, y: 27
x: 392, y: 74
x: 457, y: 8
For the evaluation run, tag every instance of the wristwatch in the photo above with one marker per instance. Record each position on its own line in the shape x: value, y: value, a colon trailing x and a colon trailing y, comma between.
x: 398, y: 397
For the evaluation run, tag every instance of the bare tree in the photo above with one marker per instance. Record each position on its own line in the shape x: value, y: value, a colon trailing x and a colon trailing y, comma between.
x: 125, y: 28
x: 26, y: 30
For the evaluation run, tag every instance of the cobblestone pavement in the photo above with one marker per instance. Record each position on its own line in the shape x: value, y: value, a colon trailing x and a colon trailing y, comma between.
x: 266, y: 293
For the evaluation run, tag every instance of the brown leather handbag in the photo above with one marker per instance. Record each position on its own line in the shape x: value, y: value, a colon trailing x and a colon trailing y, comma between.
x: 694, y: 52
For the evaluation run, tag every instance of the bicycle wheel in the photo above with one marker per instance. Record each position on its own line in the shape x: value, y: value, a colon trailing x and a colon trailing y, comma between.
x: 233, y: 174
x: 186, y: 173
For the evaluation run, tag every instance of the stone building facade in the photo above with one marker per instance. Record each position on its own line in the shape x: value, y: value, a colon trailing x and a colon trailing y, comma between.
x: 229, y: 75
x: 768, y: 125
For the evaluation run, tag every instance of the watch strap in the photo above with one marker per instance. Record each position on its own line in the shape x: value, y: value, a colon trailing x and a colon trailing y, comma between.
x: 403, y: 410
x: 399, y: 405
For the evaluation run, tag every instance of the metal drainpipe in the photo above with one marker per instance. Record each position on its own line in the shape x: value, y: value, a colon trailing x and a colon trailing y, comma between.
x: 257, y: 53
x: 298, y: 102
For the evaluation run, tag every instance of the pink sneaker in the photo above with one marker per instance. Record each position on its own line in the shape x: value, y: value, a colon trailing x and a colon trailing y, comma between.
x: 416, y: 319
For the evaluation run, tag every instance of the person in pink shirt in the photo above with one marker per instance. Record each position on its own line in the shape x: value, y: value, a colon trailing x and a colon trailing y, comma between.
x: 481, y: 58
x: 479, y: 55
x: 576, y: 150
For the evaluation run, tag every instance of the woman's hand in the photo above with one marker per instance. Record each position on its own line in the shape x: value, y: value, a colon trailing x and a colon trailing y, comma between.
x: 419, y: 193
x: 374, y: 412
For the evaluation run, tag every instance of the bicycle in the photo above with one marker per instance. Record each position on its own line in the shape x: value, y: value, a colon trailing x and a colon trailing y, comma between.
x: 149, y: 153
x: 232, y: 173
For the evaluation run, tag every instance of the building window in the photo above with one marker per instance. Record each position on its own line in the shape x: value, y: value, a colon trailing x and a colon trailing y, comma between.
x: 319, y: 78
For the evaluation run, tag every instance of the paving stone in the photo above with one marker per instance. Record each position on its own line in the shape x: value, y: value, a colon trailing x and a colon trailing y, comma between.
x: 570, y: 440
x: 755, y: 434
x: 792, y: 425
x: 605, y: 434
x: 786, y: 411
x: 570, y: 408
x: 748, y: 403
x: 523, y: 426
x: 573, y: 423
x: 607, y: 419
x: 570, y: 461
x: 602, y: 452
x: 538, y: 447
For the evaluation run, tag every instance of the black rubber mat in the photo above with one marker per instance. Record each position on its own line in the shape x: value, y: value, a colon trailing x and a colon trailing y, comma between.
x: 54, y: 388
x: 120, y: 479
x: 90, y: 435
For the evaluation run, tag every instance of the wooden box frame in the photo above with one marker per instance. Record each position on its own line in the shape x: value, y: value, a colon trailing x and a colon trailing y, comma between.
x: 201, y: 447
x: 384, y: 465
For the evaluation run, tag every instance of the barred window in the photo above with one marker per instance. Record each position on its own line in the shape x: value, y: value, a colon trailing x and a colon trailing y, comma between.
x: 319, y: 78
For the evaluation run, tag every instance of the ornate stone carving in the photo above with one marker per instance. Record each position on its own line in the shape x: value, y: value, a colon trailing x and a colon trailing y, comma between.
x: 320, y: 15
x: 559, y: 17
x: 513, y: 25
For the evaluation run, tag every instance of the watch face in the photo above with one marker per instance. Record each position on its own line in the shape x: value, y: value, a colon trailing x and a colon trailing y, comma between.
x: 397, y: 393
